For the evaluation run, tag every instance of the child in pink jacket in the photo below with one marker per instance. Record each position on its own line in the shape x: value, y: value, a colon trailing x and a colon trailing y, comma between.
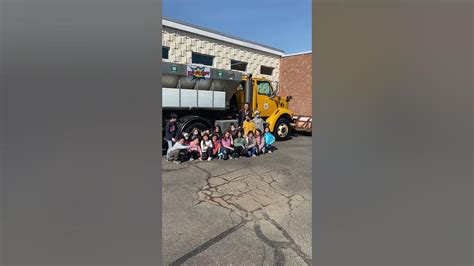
x: 194, y: 149
x: 260, y: 141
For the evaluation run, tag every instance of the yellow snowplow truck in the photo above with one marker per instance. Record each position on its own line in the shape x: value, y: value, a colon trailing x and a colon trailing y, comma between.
x: 262, y: 96
x: 203, y: 97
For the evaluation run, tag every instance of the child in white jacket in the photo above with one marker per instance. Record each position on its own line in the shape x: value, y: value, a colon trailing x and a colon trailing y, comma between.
x: 175, y: 153
x: 206, y: 147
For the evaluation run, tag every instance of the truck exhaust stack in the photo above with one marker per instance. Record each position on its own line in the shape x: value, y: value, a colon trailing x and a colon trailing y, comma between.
x: 248, y: 90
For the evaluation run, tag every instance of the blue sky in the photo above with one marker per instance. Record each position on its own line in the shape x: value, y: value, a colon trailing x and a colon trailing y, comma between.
x: 283, y: 24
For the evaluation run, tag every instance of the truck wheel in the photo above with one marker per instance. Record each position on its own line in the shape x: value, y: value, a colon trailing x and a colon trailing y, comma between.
x: 198, y: 125
x: 282, y: 129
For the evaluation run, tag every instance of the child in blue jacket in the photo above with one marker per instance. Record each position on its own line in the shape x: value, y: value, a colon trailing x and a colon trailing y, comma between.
x: 269, y: 140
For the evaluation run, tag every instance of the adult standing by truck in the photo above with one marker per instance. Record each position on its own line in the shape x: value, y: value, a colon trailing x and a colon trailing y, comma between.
x: 243, y: 113
x: 170, y: 131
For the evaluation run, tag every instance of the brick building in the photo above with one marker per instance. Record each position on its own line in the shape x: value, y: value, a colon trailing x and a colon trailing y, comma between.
x: 296, y: 80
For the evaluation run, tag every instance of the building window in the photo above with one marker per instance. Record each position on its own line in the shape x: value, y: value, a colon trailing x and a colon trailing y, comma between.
x: 165, y: 52
x: 266, y: 70
x: 238, y: 65
x: 202, y: 59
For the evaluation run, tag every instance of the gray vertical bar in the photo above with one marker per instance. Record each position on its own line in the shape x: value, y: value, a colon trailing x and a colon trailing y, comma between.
x: 3, y: 116
x: 81, y: 179
x: 393, y: 111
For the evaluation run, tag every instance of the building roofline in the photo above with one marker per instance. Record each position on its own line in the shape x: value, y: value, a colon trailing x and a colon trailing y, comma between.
x: 184, y: 26
x: 301, y: 53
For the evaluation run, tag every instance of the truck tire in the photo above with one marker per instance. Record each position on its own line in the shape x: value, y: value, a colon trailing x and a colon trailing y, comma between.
x: 282, y: 129
x: 198, y: 125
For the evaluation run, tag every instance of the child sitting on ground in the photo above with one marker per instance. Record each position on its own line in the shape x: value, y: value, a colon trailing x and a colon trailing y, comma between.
x: 196, y: 133
x: 216, y: 146
x: 194, y: 150
x: 251, y: 145
x: 239, y: 144
x: 217, y: 131
x: 269, y: 140
x: 206, y: 148
x: 233, y: 130
x: 227, y: 146
x: 178, y: 151
x: 260, y: 141
x: 249, y: 125
x: 186, y: 138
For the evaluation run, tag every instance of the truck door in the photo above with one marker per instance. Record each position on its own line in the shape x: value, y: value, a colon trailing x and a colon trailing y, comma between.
x: 266, y: 104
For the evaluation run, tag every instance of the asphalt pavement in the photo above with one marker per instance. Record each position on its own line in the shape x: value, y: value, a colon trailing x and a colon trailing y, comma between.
x: 249, y: 211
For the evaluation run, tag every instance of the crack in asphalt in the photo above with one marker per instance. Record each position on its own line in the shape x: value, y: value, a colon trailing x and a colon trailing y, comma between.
x: 206, y: 245
x: 291, y: 242
x: 278, y: 257
x: 264, y: 257
x: 209, y: 193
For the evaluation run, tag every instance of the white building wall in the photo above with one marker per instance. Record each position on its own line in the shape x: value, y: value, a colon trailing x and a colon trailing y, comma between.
x: 182, y: 44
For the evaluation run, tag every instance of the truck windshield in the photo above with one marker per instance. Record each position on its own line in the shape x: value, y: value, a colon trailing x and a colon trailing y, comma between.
x: 264, y: 88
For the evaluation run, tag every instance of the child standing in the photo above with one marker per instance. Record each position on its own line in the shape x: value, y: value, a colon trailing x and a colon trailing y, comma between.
x: 227, y: 146
x: 216, y: 146
x: 206, y: 148
x: 251, y: 145
x: 240, y: 144
x: 177, y: 152
x: 260, y: 141
x: 194, y: 150
x: 249, y: 125
x: 170, y: 131
x: 258, y: 121
x: 269, y: 140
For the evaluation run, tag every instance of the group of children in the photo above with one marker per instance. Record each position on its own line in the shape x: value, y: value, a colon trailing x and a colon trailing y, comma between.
x: 250, y: 139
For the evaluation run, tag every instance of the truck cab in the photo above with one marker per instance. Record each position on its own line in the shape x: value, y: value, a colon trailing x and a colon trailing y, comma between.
x: 264, y: 97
